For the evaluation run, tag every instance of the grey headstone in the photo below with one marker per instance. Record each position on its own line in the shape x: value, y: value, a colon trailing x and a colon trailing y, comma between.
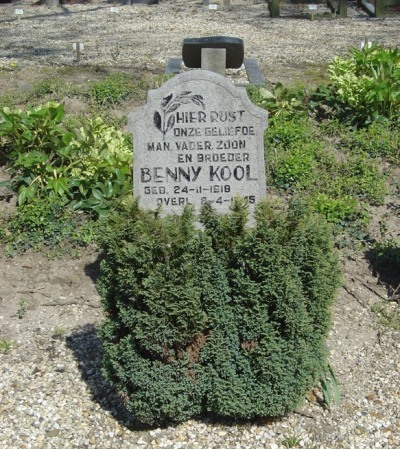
x: 197, y: 139
x: 191, y: 50
x: 253, y: 71
x: 141, y: 2
x: 173, y: 66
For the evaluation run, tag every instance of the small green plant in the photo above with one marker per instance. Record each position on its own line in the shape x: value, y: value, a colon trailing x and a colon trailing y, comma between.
x: 5, y: 346
x: 336, y: 210
x: 295, y: 168
x: 300, y: 160
x: 288, y: 130
x: 8, y: 67
x: 112, y: 90
x: 360, y: 177
x: 384, y: 258
x: 58, y: 332
x: 293, y: 152
x: 36, y: 128
x: 386, y: 255
x: 280, y: 99
x: 291, y: 442
x: 329, y: 384
x: 54, y: 87
x: 22, y: 308
x: 378, y: 140
x: 389, y: 315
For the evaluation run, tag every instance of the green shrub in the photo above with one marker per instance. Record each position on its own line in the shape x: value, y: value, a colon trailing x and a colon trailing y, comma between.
x: 363, y: 88
x: 89, y: 168
x: 231, y: 320
x: 35, y: 128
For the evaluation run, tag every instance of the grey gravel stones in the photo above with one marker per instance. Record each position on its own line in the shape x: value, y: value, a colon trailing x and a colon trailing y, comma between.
x: 52, y: 393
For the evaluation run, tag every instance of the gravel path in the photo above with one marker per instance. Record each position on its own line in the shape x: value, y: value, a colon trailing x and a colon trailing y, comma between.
x: 51, y: 391
x: 147, y: 36
x: 52, y: 394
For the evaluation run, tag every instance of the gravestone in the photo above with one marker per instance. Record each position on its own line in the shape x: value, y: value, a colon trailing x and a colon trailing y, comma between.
x: 198, y: 139
x: 192, y: 48
x: 141, y: 2
x: 202, y: 52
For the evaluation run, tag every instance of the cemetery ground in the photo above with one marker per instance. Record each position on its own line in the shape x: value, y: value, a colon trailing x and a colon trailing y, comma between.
x: 52, y: 394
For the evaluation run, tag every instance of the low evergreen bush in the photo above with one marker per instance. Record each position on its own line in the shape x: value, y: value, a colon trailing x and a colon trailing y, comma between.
x: 230, y: 319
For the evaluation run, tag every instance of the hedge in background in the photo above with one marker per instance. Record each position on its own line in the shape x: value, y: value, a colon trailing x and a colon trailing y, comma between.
x: 230, y: 320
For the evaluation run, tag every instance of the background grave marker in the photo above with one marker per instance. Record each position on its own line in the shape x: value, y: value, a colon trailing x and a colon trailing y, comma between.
x: 78, y: 47
x: 313, y: 8
x: 19, y: 12
x: 114, y: 11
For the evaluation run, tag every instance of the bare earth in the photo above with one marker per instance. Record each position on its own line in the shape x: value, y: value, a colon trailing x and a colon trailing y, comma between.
x: 51, y: 391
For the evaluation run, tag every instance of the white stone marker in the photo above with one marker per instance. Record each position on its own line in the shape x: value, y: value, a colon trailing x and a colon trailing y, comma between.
x: 19, y: 12
x: 114, y: 11
x: 198, y: 139
x: 313, y: 8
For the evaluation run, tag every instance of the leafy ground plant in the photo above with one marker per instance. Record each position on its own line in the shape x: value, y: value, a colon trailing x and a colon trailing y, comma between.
x: 88, y: 168
x: 22, y: 308
x: 384, y: 258
x: 291, y: 441
x: 389, y: 316
x: 364, y: 88
x: 338, y: 183
x: 279, y: 100
x: 330, y: 388
x: 5, y: 346
x: 377, y: 140
x: 46, y: 224
x: 112, y: 90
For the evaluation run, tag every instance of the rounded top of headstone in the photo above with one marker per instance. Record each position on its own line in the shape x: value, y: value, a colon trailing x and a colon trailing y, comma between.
x: 205, y: 81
